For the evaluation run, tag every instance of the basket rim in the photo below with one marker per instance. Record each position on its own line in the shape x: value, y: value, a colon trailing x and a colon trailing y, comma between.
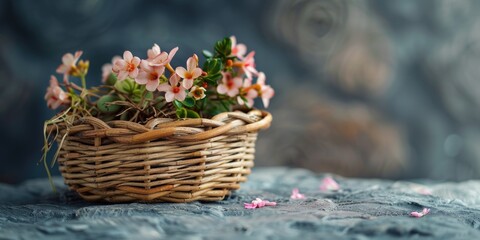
x: 188, y: 129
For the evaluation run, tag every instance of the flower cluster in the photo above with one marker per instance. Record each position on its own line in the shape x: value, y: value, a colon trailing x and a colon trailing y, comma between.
x: 139, y: 89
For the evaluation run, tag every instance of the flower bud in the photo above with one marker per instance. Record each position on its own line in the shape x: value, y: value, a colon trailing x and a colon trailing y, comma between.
x: 195, y: 57
x: 229, y: 63
x: 83, y: 66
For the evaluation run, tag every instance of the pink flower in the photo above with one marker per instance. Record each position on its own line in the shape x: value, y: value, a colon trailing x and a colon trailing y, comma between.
x: 329, y: 184
x: 296, y: 194
x: 157, y: 58
x: 229, y: 85
x: 238, y: 50
x: 192, y: 72
x: 107, y: 69
x: 247, y: 82
x: 55, y: 96
x: 69, y: 61
x: 153, y: 52
x: 248, y: 65
x: 258, y: 203
x: 173, y: 90
x: 250, y: 96
x: 266, y: 92
x: 149, y: 76
x: 424, y: 212
x: 126, y: 67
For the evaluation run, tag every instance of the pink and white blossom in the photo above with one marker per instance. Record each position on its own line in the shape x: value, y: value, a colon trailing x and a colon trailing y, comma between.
x: 107, y: 68
x: 230, y: 85
x: 266, y: 92
x: 55, y: 95
x: 192, y: 72
x: 248, y: 65
x: 197, y: 92
x: 157, y: 58
x: 249, y: 96
x: 424, y: 212
x: 126, y: 67
x: 238, y: 50
x: 173, y: 90
x: 259, y: 203
x: 69, y: 62
x: 149, y: 76
x: 153, y: 52
x: 296, y: 194
x: 329, y: 184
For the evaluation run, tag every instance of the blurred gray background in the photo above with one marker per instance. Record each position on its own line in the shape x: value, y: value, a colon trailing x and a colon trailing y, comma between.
x: 365, y: 88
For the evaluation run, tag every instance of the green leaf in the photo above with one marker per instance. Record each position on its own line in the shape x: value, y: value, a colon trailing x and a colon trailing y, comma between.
x: 137, y: 92
x: 225, y: 104
x: 125, y: 86
x: 160, y: 103
x: 197, y: 82
x: 189, y: 102
x: 245, y: 101
x: 177, y: 104
x: 211, y: 81
x: 223, y: 47
x: 104, y: 104
x: 213, y: 66
x: 215, y: 77
x: 181, y: 113
x: 147, y: 98
x: 215, y: 109
x: 192, y: 114
x: 149, y: 95
x: 207, y: 54
x: 111, y: 80
x: 201, y: 103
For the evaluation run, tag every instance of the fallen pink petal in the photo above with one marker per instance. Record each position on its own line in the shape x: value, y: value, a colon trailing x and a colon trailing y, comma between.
x: 424, y: 191
x: 250, y: 205
x: 259, y: 203
x: 419, y: 188
x: 424, y: 212
x: 328, y: 184
x: 296, y: 194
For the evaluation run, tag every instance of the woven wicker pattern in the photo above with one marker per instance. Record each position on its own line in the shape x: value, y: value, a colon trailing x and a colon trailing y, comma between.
x: 164, y: 160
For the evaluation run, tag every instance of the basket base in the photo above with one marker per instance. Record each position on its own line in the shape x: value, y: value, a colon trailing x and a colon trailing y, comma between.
x: 157, y: 171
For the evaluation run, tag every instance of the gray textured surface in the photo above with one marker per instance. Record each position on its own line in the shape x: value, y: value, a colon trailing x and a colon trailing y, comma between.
x: 363, y: 209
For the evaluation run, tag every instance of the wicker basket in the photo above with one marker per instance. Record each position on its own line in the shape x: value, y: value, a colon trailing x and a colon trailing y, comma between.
x: 164, y: 160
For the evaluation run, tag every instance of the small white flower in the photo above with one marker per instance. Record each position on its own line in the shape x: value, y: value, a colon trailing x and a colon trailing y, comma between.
x: 197, y: 92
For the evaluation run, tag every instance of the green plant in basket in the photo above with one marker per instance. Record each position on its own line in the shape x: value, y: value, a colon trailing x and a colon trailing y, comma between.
x: 139, y: 90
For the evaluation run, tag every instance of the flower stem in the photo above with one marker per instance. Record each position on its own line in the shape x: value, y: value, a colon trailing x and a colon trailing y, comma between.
x: 143, y: 98
x: 170, y: 68
x: 84, y: 82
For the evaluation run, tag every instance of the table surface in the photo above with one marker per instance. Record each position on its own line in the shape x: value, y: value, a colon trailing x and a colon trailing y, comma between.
x: 361, y: 209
